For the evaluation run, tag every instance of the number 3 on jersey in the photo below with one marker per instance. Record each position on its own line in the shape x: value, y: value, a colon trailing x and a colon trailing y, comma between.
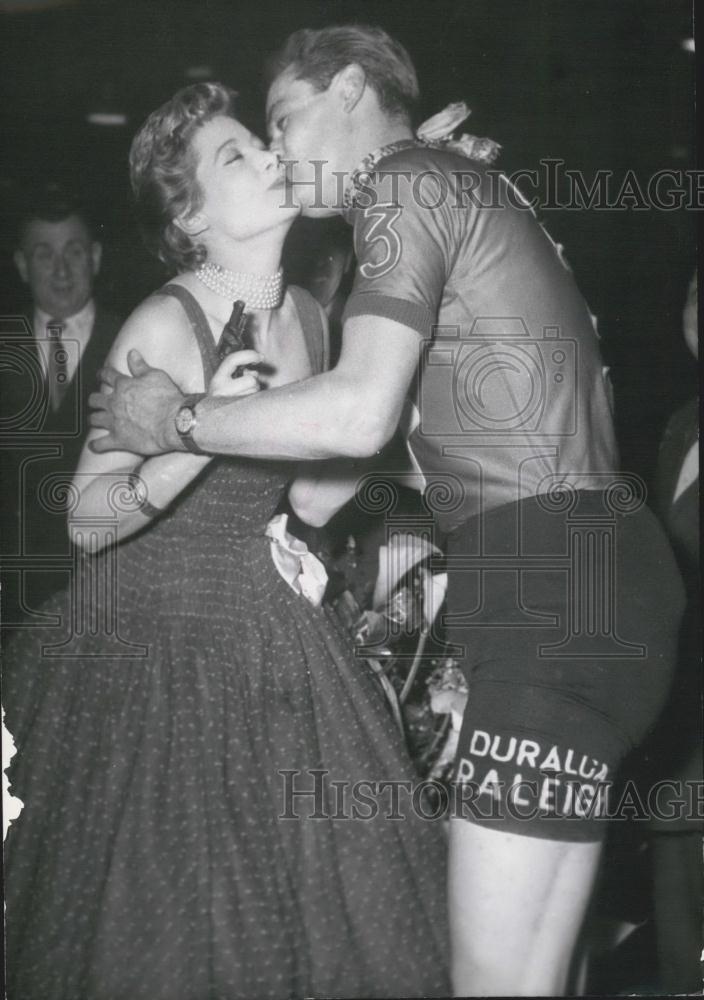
x: 382, y: 232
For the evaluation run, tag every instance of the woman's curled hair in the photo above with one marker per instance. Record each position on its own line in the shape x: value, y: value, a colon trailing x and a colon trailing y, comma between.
x: 163, y: 169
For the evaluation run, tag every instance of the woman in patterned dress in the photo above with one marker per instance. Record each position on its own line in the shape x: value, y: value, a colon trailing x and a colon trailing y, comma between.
x: 198, y: 764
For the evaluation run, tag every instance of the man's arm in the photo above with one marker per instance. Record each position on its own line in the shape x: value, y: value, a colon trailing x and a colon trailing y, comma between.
x: 350, y: 411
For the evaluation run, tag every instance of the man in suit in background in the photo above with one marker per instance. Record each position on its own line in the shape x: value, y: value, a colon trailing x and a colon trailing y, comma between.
x: 675, y: 749
x: 51, y: 352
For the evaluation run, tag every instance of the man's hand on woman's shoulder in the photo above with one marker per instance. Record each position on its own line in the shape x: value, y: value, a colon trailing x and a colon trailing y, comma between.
x: 138, y: 410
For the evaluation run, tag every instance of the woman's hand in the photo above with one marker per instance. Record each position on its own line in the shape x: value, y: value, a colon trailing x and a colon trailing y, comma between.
x: 223, y: 384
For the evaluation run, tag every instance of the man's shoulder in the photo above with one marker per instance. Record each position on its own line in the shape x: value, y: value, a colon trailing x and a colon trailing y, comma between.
x: 16, y: 319
x: 422, y: 180
x: 682, y: 429
x: 106, y: 322
x: 421, y: 160
x: 106, y: 326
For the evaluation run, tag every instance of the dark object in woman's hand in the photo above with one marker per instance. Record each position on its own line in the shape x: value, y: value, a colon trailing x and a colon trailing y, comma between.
x: 234, y: 336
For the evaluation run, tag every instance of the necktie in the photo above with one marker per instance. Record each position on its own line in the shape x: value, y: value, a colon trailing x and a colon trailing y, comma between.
x: 57, y: 373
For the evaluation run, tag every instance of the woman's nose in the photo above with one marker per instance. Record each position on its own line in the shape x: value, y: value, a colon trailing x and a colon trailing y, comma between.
x: 267, y: 159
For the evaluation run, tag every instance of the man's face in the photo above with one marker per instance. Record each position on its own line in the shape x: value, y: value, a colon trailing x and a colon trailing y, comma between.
x: 58, y: 260
x: 307, y: 125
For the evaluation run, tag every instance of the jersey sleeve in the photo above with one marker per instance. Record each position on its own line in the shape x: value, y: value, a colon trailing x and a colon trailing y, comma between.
x: 403, y: 247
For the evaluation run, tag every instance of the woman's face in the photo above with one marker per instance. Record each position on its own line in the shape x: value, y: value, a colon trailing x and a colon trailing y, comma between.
x: 243, y: 186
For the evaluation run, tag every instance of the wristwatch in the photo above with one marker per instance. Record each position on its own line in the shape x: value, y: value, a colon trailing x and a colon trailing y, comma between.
x: 186, y: 421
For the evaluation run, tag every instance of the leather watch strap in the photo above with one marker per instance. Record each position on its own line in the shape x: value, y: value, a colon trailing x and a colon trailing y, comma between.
x: 187, y: 436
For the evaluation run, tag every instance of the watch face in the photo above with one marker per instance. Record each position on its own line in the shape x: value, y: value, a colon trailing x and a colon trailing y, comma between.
x: 185, y: 419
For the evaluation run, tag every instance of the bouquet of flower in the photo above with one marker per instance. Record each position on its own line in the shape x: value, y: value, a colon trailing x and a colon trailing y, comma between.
x: 395, y: 634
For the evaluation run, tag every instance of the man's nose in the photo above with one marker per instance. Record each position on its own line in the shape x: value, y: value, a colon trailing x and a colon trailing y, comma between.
x: 61, y: 266
x: 276, y: 145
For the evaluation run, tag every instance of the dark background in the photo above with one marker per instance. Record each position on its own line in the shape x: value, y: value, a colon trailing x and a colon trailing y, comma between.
x: 596, y: 83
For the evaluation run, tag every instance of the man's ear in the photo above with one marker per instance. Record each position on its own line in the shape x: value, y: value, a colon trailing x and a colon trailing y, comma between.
x: 21, y: 265
x: 96, y: 254
x: 349, y: 84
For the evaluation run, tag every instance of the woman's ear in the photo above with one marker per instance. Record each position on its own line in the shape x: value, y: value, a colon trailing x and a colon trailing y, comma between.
x: 21, y: 264
x: 349, y: 84
x: 96, y: 256
x: 191, y: 223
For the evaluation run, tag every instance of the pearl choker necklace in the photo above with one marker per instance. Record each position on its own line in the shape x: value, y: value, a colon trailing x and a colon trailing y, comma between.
x: 259, y: 291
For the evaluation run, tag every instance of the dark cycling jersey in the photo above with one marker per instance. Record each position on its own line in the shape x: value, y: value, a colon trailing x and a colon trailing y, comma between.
x: 510, y: 396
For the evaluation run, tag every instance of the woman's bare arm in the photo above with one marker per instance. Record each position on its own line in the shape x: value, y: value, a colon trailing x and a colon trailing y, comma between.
x: 108, y: 496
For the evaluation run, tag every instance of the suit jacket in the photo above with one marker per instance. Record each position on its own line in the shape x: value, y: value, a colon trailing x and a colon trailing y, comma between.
x: 681, y: 516
x: 40, y: 448
x: 677, y: 741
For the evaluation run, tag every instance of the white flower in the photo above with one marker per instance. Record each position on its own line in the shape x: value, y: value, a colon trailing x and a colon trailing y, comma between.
x: 475, y: 147
x: 444, y: 123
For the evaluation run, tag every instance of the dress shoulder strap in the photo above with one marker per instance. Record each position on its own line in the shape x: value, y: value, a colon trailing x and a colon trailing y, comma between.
x: 308, y: 313
x: 313, y: 328
x: 199, y: 325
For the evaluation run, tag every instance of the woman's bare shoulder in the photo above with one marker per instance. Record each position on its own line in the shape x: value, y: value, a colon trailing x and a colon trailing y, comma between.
x: 159, y: 329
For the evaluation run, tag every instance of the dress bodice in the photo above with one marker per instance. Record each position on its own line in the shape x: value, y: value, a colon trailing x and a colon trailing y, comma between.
x: 231, y: 497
